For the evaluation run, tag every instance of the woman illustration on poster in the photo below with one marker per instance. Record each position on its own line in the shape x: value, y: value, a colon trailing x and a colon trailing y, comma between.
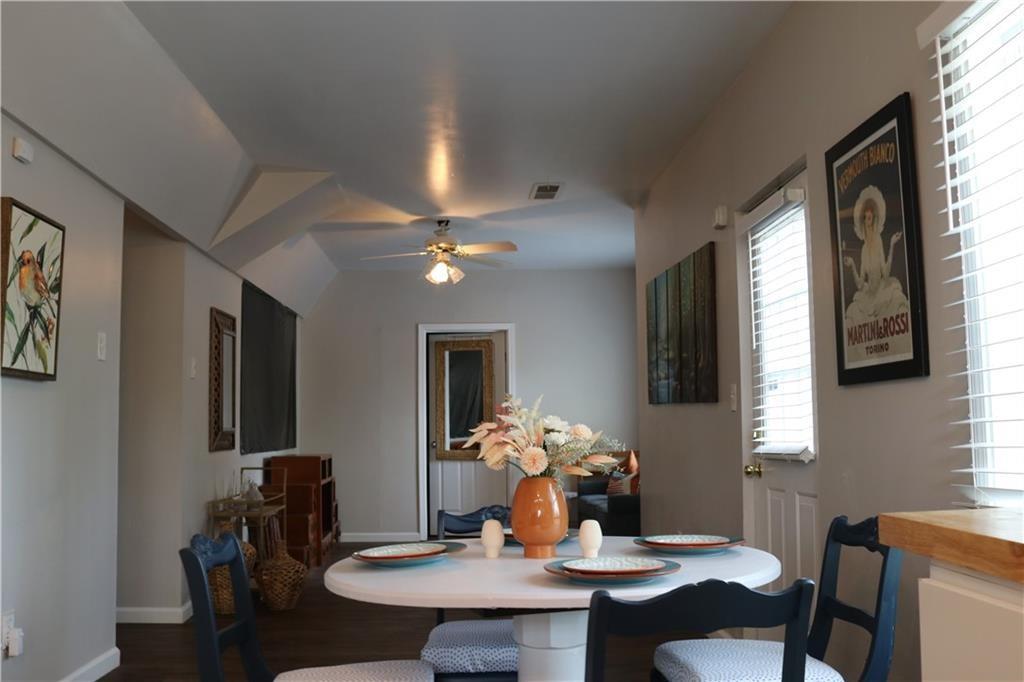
x: 878, y: 293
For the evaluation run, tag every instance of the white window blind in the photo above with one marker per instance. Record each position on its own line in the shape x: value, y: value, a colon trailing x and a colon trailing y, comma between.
x: 781, y: 376
x: 981, y: 77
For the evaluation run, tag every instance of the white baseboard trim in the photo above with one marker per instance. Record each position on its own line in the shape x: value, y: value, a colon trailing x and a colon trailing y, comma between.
x: 97, y: 667
x: 146, y: 614
x: 380, y: 537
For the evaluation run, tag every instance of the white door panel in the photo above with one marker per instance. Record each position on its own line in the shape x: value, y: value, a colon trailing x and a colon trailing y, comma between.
x: 785, y: 522
x: 807, y: 525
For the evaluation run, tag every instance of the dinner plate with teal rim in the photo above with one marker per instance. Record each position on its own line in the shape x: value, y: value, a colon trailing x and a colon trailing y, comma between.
x: 558, y: 568
x: 689, y: 551
x: 453, y: 547
x: 511, y: 541
x: 404, y: 550
x: 404, y: 562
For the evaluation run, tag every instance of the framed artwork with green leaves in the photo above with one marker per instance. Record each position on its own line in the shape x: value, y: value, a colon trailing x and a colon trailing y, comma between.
x: 32, y: 273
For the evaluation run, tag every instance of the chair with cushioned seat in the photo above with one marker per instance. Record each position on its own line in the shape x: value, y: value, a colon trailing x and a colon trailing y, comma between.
x: 703, y: 608
x: 704, y: 657
x: 472, y: 649
x: 205, y: 554
x: 468, y: 525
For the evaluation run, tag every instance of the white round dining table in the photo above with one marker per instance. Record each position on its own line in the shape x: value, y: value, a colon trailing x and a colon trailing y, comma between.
x: 552, y: 645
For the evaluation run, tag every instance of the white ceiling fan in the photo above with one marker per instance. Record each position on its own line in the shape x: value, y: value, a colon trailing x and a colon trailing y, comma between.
x: 442, y: 248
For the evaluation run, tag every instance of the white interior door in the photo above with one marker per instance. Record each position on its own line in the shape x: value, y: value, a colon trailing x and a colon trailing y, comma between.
x: 464, y: 486
x: 784, y: 517
x: 780, y: 484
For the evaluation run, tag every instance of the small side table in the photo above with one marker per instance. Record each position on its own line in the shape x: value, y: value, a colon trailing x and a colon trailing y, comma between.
x: 257, y: 520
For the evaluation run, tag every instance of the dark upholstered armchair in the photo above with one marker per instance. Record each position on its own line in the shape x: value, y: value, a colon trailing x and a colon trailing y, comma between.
x: 617, y: 514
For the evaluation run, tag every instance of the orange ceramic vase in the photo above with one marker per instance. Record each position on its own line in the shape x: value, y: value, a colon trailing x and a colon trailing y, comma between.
x: 540, y: 518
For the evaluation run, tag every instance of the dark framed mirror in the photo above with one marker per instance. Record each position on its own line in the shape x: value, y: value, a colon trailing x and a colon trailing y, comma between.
x: 222, y: 380
x: 463, y: 394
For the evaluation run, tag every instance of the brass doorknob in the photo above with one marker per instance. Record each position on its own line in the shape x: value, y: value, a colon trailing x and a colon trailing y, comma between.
x: 753, y: 470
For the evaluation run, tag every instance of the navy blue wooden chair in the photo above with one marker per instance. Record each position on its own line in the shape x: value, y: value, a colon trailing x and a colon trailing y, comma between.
x: 703, y: 608
x: 472, y: 649
x: 881, y: 626
x: 471, y: 523
x: 205, y: 554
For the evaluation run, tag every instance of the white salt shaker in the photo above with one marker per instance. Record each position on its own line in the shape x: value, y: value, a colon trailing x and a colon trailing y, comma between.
x: 492, y: 537
x: 590, y: 538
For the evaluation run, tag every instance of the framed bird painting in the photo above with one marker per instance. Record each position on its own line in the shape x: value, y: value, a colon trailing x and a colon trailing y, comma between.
x: 32, y: 274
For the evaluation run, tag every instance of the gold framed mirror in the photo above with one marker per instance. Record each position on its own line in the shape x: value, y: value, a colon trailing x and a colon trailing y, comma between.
x: 222, y: 380
x: 463, y: 394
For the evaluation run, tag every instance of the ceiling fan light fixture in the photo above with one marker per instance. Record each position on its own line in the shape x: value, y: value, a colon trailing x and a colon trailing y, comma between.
x: 437, y: 273
x: 440, y: 271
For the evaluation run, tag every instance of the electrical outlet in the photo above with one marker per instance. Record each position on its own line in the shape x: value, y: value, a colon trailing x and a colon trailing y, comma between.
x: 732, y: 397
x: 192, y: 369
x: 101, y: 346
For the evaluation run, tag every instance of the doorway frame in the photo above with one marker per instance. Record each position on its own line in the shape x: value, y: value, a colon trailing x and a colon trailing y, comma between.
x: 422, y: 331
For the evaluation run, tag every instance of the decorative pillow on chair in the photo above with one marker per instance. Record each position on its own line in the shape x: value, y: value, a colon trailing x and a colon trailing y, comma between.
x: 620, y: 483
x: 631, y: 466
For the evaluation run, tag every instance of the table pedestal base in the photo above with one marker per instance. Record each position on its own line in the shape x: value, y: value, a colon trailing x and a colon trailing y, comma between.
x: 552, y: 646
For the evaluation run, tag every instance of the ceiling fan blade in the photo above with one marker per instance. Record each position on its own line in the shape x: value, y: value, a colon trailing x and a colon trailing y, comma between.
x: 490, y: 262
x: 487, y: 247
x: 396, y: 255
x: 332, y: 226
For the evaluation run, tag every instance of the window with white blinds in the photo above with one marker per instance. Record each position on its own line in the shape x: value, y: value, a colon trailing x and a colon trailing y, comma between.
x: 781, y: 376
x: 981, y: 77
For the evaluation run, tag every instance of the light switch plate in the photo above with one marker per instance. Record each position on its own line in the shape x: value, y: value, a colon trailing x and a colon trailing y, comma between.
x: 732, y: 397
x: 192, y: 369
x: 101, y: 346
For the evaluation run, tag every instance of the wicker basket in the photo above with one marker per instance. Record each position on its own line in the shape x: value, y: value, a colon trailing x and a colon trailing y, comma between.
x: 220, y: 577
x: 281, y: 577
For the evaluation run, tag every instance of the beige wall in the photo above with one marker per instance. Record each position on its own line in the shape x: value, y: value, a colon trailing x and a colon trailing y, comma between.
x: 167, y: 474
x: 574, y: 344
x: 59, y: 515
x: 149, y: 471
x: 204, y: 473
x: 883, y: 446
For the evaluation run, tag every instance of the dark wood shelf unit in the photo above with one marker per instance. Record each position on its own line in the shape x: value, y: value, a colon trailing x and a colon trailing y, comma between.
x: 312, y: 514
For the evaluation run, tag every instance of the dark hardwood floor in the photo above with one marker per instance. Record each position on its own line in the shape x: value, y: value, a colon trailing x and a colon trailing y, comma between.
x: 325, y: 629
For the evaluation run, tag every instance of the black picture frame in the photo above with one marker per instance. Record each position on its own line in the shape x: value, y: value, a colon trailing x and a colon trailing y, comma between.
x: 877, y: 269
x: 43, y: 240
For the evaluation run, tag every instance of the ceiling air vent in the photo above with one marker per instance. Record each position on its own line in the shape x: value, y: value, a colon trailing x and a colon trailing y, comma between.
x: 545, y: 190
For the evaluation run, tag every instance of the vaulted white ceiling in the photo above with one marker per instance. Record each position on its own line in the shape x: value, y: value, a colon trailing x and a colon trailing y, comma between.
x: 419, y: 110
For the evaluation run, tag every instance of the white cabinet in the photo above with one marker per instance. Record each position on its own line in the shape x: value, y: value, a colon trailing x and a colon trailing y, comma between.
x: 972, y: 626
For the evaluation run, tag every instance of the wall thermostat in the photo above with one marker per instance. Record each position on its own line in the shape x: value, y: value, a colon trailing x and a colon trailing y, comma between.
x: 22, y: 150
x: 721, y: 217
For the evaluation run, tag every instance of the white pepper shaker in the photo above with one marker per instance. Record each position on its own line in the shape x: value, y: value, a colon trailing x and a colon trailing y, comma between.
x: 492, y: 537
x: 590, y: 538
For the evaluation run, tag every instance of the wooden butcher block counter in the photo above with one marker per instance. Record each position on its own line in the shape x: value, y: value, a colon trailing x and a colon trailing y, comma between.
x: 972, y: 602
